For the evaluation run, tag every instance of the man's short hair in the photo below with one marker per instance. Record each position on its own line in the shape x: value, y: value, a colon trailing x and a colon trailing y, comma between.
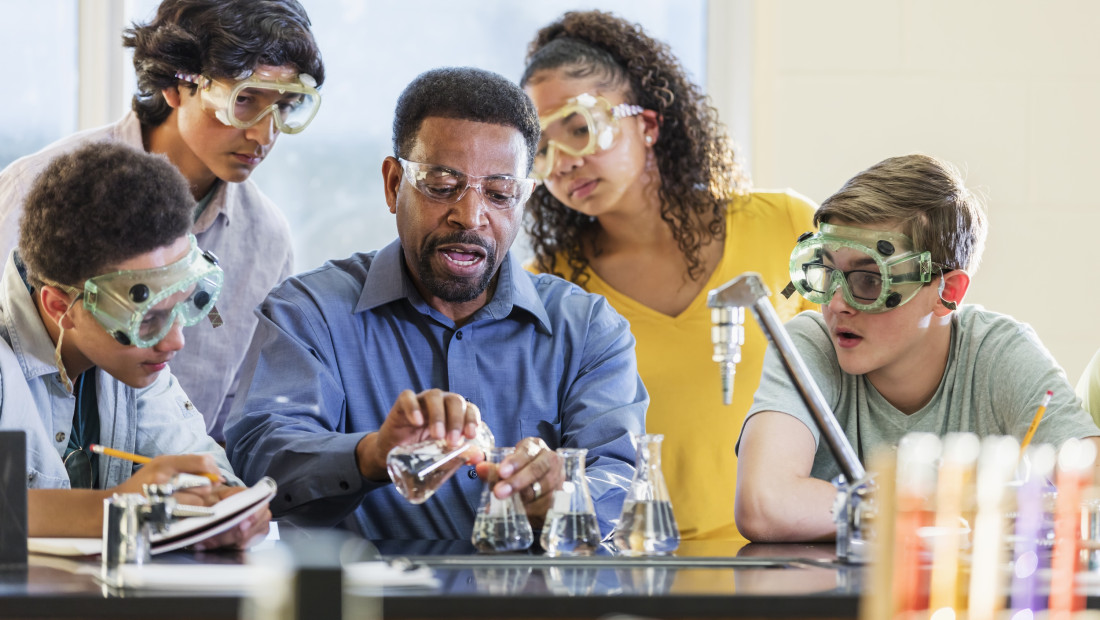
x: 98, y: 206
x: 927, y: 196
x: 220, y: 39
x: 468, y: 94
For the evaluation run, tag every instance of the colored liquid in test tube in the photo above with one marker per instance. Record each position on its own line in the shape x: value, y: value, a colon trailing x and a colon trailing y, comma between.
x: 1037, y: 468
x: 1075, y: 461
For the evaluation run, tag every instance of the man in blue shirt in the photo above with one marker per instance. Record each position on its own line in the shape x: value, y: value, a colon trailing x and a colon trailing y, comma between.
x: 396, y: 346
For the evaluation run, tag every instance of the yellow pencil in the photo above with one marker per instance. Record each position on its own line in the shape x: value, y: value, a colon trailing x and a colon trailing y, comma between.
x: 137, y: 458
x: 1035, y: 421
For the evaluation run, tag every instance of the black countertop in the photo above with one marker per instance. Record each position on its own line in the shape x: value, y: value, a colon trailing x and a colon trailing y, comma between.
x: 702, y: 580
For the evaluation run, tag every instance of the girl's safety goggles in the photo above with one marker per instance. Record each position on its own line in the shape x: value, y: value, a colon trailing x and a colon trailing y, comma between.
x: 875, y: 270
x: 243, y: 103
x: 139, y: 307
x: 584, y: 125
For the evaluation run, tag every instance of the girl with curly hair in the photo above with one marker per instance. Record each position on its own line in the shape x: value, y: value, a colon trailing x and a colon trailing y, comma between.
x: 643, y: 201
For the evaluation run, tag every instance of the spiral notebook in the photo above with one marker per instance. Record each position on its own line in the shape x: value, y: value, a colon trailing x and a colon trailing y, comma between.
x: 181, y: 533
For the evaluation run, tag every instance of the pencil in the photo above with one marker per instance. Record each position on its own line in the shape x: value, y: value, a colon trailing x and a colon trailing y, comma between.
x: 137, y: 458
x: 1035, y: 421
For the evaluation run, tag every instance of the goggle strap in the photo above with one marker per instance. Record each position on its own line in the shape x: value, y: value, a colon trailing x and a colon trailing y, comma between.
x: 626, y: 109
x: 215, y: 317
x: 193, y: 78
x: 788, y: 290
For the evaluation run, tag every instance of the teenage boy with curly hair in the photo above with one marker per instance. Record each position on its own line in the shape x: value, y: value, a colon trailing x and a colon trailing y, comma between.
x: 218, y: 81
x: 92, y: 306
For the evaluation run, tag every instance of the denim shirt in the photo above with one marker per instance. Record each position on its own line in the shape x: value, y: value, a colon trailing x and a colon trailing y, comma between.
x: 155, y: 420
x: 335, y: 346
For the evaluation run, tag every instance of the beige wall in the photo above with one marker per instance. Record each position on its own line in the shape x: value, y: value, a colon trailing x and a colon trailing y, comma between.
x: 1008, y: 90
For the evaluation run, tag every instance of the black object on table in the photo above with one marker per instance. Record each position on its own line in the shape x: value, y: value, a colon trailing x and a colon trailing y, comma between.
x: 13, y: 500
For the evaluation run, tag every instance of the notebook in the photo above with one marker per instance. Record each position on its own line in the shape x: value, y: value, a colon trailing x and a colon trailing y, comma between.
x: 181, y: 533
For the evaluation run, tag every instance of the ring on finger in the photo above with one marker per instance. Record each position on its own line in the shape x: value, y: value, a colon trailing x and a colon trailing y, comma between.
x: 533, y: 448
x: 536, y: 489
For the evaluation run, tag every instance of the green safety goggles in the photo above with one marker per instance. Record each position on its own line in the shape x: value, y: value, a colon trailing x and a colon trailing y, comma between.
x: 875, y: 270
x: 139, y: 306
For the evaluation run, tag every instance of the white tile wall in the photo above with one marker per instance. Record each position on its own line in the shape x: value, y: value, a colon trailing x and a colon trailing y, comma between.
x: 1009, y: 90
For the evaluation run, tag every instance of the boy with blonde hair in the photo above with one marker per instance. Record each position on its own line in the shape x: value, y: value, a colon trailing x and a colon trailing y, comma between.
x: 893, y: 349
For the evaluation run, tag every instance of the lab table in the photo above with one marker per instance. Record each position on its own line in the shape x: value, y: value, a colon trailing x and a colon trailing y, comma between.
x: 701, y: 580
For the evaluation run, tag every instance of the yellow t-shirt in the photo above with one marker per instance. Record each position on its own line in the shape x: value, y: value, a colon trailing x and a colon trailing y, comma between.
x: 674, y: 361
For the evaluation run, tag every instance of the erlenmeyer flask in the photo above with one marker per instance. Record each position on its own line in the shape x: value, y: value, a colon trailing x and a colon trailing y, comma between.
x: 501, y: 524
x: 571, y: 527
x: 419, y: 469
x: 647, y: 526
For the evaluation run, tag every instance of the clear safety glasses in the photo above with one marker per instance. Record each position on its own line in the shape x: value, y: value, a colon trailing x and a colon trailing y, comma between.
x: 584, y: 125
x: 242, y: 104
x: 875, y: 270
x: 139, y: 307
x: 447, y: 185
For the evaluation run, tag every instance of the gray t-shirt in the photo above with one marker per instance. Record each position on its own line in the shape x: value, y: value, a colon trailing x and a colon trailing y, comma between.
x: 997, y: 373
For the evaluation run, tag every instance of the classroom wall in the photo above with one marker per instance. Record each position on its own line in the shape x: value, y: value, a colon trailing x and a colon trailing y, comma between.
x: 1008, y: 90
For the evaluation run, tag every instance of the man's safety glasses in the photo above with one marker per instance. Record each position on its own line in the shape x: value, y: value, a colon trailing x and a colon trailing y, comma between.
x: 448, y: 185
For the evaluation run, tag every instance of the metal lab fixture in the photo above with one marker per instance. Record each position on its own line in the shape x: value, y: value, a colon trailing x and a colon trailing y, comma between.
x: 727, y: 304
x: 130, y: 519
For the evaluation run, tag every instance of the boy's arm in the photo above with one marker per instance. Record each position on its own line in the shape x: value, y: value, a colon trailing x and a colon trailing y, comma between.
x: 65, y: 513
x: 777, y: 500
x: 78, y: 513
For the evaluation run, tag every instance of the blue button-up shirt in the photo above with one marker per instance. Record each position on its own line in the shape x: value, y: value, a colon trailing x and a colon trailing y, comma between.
x: 335, y: 346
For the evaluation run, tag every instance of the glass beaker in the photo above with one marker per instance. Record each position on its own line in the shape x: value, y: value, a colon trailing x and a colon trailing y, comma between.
x: 419, y: 469
x: 571, y: 527
x: 647, y: 525
x: 501, y: 524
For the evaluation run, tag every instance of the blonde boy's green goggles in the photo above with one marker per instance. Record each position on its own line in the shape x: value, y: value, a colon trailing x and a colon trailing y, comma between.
x: 875, y: 270
x: 139, y: 307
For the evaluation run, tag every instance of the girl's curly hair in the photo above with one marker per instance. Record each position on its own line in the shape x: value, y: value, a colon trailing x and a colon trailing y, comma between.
x: 699, y: 172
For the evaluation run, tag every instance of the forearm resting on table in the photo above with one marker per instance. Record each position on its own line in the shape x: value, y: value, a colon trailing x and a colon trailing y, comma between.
x: 777, y: 500
x: 65, y: 513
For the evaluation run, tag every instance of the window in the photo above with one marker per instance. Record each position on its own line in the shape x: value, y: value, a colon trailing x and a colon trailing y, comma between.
x: 327, y: 180
x: 40, y: 106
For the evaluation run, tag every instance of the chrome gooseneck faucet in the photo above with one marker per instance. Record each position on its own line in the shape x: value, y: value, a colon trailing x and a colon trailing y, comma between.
x: 728, y: 303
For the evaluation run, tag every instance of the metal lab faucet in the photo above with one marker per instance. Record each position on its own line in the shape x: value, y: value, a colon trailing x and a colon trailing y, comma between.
x: 728, y: 303
x: 130, y: 519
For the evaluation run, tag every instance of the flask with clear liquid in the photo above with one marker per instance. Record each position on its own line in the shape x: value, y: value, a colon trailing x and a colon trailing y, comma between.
x: 419, y: 469
x: 501, y: 524
x: 647, y: 525
x: 571, y: 527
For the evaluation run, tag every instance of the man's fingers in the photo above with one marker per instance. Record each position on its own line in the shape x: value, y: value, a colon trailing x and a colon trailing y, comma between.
x: 473, y: 419
x: 446, y: 414
x: 533, y: 470
x: 408, y: 405
x: 435, y: 411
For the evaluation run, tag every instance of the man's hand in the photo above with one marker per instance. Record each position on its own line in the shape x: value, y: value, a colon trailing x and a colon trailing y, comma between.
x: 534, y: 471
x: 431, y: 414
